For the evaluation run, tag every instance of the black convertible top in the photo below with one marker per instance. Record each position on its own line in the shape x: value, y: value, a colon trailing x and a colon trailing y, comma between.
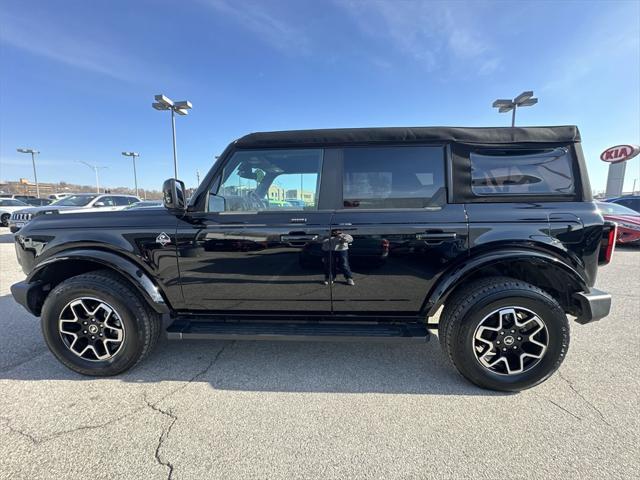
x: 469, y: 135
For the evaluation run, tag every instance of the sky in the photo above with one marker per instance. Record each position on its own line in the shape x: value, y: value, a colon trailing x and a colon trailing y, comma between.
x: 77, y: 78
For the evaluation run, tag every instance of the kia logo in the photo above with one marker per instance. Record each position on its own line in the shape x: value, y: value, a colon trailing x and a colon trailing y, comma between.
x: 619, y: 153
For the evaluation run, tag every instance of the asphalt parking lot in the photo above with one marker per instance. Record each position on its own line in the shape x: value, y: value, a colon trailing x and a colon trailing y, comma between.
x: 317, y: 410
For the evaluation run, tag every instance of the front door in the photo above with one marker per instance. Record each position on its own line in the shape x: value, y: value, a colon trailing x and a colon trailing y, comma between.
x: 399, y: 232
x: 258, y: 247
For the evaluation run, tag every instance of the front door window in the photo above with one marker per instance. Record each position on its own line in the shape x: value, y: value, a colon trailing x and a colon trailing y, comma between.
x: 259, y: 180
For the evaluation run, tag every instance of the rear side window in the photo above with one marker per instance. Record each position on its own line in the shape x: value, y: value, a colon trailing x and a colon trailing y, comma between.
x: 522, y: 172
x: 393, y: 177
x: 121, y: 201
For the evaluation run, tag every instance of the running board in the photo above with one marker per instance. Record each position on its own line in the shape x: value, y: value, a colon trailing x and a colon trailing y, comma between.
x: 304, y: 331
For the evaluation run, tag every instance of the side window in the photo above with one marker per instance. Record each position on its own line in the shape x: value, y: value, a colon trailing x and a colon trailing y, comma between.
x: 278, y: 179
x: 108, y: 201
x: 524, y: 172
x: 393, y: 177
x: 121, y: 201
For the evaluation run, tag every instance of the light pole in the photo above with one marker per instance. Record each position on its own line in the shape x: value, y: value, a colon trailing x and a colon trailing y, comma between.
x: 33, y: 161
x: 133, y: 156
x: 95, y: 168
x: 181, y: 108
x: 525, y: 99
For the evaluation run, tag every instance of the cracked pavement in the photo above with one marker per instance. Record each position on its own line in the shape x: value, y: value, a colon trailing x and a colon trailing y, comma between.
x: 198, y: 410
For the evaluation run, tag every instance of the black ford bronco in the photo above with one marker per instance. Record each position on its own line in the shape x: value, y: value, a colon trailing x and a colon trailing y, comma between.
x: 487, y: 235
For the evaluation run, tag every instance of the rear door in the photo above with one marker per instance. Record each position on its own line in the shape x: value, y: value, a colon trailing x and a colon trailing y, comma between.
x: 404, y: 233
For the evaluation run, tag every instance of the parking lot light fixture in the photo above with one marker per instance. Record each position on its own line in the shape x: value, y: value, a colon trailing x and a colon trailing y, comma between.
x: 133, y: 156
x: 181, y: 108
x: 525, y: 99
x: 33, y: 161
x: 95, y: 168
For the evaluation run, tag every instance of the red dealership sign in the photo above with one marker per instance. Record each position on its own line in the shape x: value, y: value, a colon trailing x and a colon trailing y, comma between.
x: 619, y: 153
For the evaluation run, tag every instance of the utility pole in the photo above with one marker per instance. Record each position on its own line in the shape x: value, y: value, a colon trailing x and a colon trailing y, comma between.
x: 133, y: 156
x: 95, y: 169
x: 33, y: 161
x: 181, y: 108
x: 525, y: 99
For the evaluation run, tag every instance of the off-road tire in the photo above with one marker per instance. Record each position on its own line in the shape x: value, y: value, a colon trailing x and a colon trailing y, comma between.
x: 466, y: 308
x: 141, y: 323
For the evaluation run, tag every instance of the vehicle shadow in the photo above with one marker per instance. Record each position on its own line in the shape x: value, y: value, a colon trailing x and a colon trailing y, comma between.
x: 268, y: 366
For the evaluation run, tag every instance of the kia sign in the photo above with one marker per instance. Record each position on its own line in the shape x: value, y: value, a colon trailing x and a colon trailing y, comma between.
x: 619, y: 153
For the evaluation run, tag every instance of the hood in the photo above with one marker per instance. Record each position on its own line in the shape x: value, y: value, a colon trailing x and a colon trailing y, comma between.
x: 88, y: 218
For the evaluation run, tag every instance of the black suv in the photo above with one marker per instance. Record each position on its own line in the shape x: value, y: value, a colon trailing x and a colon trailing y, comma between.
x: 346, y: 234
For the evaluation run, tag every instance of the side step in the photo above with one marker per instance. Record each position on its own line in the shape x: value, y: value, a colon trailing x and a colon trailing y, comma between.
x: 311, y: 331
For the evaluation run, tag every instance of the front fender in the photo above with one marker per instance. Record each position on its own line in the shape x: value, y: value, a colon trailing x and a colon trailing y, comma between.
x: 125, y: 267
x: 452, y: 279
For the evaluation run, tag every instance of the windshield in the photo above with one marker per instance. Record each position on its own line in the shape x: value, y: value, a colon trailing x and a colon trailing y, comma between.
x: 615, y: 209
x: 75, y: 201
x: 10, y: 202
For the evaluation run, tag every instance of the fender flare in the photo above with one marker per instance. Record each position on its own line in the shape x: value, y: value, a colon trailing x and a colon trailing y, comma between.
x: 125, y: 267
x: 452, y: 279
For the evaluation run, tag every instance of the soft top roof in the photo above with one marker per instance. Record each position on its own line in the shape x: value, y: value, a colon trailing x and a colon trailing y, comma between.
x: 470, y: 135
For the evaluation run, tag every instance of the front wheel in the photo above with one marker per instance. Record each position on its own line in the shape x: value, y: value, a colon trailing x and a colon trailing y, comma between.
x: 504, y: 334
x: 97, y: 324
x: 4, y: 219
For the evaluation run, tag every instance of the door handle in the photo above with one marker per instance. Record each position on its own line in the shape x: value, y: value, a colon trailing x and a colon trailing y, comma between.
x: 436, y: 238
x: 433, y: 237
x: 298, y: 238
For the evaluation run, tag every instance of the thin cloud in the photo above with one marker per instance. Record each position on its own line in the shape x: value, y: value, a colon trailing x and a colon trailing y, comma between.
x: 603, y: 48
x: 429, y: 32
x: 270, y: 28
x: 51, y: 40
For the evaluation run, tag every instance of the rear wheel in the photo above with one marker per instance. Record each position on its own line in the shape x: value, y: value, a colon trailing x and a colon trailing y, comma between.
x: 95, y: 324
x: 504, y: 334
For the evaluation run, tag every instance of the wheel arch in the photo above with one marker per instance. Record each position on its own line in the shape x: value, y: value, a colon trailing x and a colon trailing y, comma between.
x: 67, y: 264
x: 541, y: 269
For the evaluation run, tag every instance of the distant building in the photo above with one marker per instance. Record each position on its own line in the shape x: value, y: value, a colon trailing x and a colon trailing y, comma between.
x: 276, y: 193
x: 24, y: 187
x: 307, y: 197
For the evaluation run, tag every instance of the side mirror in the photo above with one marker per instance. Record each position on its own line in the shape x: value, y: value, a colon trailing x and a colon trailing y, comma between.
x: 173, y: 194
x: 217, y: 203
x: 98, y: 204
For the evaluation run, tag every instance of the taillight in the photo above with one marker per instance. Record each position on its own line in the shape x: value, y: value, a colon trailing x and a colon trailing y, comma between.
x: 608, y: 244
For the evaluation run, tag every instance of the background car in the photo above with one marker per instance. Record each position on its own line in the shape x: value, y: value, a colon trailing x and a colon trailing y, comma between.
x: 16, y: 196
x: 145, y: 204
x: 58, y: 196
x: 628, y: 222
x: 629, y: 201
x: 296, y: 202
x: 76, y: 203
x: 278, y: 204
x: 37, y: 202
x: 7, y: 207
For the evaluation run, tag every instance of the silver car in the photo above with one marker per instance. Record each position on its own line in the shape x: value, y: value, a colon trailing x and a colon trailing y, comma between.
x: 81, y: 202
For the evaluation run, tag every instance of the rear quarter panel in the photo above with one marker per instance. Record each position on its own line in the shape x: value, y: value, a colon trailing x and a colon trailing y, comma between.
x: 571, y: 231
